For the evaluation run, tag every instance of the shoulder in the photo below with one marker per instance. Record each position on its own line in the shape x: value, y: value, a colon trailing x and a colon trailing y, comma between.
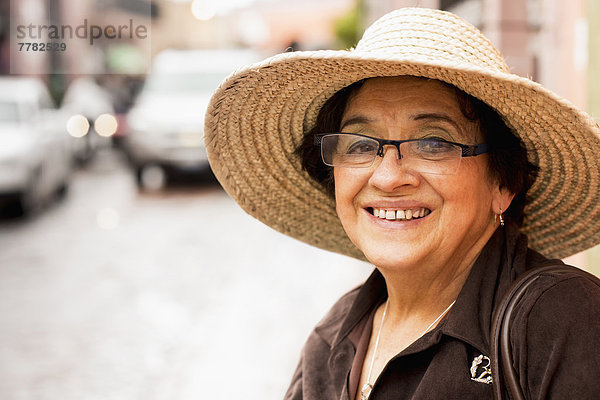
x: 559, y: 294
x: 556, y: 292
x: 554, y: 332
x: 563, y: 291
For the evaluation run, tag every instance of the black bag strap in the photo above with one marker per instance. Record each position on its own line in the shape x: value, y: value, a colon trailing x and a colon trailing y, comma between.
x: 501, y: 352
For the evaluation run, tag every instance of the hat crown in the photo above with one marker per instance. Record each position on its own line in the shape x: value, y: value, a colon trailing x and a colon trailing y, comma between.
x: 426, y: 35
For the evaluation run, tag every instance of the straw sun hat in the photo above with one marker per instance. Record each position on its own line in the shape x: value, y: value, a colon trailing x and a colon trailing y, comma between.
x: 258, y: 115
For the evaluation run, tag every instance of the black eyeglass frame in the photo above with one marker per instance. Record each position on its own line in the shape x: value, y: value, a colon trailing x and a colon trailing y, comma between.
x: 467, y: 150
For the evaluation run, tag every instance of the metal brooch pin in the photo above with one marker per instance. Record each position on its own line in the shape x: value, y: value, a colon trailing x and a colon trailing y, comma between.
x: 486, y: 375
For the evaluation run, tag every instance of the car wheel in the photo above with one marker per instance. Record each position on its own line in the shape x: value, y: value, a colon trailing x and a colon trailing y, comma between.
x: 151, y: 177
x: 61, y: 191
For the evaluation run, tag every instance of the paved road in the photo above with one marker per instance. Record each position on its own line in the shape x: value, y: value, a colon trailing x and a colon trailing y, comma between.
x: 116, y: 294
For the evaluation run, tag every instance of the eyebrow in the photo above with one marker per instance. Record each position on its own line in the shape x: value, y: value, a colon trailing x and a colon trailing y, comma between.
x: 436, y: 117
x: 360, y: 119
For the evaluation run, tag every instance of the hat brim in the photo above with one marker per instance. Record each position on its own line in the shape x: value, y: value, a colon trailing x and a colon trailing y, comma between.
x: 258, y: 116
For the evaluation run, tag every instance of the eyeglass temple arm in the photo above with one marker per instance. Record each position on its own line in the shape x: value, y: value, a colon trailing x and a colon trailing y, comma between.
x: 475, y: 150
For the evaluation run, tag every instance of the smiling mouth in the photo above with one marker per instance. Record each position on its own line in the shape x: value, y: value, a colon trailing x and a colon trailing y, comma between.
x: 399, y: 215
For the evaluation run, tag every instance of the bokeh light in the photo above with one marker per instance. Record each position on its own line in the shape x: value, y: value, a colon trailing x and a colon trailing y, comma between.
x: 78, y: 126
x: 202, y: 10
x: 106, y: 125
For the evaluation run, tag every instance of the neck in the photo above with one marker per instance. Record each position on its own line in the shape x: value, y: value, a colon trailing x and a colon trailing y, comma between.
x: 418, y: 303
x: 423, y: 291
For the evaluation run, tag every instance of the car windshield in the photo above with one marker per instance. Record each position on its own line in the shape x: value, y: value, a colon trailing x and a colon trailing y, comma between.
x: 9, y: 111
x: 207, y: 82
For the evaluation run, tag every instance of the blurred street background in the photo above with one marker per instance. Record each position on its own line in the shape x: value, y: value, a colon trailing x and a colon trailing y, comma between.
x: 126, y: 272
x: 117, y: 294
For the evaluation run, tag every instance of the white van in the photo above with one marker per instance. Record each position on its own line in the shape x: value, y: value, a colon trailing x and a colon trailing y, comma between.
x: 166, y: 123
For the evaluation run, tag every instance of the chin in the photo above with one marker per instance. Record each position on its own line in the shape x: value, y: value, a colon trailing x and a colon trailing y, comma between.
x: 395, y: 257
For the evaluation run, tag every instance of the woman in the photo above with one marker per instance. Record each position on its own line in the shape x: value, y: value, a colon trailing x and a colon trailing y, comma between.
x: 419, y: 152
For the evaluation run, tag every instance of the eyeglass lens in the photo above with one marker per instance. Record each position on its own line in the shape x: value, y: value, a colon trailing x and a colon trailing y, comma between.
x: 424, y: 156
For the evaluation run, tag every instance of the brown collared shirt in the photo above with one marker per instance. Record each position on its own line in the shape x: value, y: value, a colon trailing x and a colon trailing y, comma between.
x: 555, y: 337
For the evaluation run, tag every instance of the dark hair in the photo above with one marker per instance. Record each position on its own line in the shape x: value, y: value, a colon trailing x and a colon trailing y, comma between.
x: 508, y: 164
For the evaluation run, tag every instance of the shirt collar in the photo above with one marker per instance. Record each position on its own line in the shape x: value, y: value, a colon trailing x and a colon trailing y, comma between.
x: 369, y: 296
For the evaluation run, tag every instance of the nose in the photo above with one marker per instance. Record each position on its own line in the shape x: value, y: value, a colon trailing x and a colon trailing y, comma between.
x: 391, y: 172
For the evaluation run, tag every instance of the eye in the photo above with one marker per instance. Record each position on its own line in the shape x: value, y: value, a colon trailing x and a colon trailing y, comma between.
x: 434, y: 146
x: 434, y: 132
x: 362, y: 146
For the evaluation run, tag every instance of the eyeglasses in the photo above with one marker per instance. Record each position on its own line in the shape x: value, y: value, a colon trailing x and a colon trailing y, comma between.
x: 430, y: 155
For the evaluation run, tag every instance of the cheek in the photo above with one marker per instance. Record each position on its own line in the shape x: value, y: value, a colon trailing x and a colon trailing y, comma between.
x: 348, y: 184
x: 468, y: 194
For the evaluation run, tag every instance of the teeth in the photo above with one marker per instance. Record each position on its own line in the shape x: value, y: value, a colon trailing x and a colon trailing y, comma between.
x: 407, y: 215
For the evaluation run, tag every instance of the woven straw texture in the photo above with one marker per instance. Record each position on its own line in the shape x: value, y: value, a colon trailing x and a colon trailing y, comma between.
x: 257, y: 118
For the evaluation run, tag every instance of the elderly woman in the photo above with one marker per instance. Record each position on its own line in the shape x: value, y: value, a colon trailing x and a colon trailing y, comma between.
x: 420, y: 152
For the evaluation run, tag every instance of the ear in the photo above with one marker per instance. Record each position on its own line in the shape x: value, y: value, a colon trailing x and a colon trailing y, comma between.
x: 501, y: 199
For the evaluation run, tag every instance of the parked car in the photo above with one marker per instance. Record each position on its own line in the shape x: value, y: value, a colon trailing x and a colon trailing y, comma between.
x: 35, y: 159
x: 166, y: 122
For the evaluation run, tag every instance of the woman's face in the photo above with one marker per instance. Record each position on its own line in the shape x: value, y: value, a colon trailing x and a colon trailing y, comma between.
x: 458, y: 209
